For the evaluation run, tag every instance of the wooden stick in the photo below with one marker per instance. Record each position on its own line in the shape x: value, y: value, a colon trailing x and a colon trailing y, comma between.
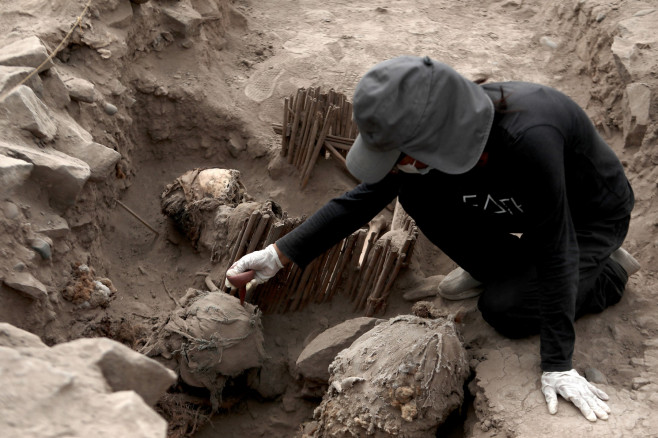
x: 372, y: 238
x: 305, y: 157
x: 345, y: 142
x: 236, y: 244
x: 274, y: 233
x: 291, y: 293
x: 169, y: 293
x: 381, y: 281
x: 353, y: 263
x: 336, y: 154
x: 410, y: 250
x: 253, y: 220
x: 234, y: 252
x: 284, y: 130
x: 396, y: 270
x: 295, y: 122
x: 350, y: 121
x: 327, y: 273
x: 310, y: 118
x: 364, y: 272
x: 137, y: 217
x: 338, y: 130
x: 342, y: 262
x: 301, y: 287
x: 337, y: 146
x: 302, y: 128
x: 212, y: 287
x: 336, y: 138
x: 318, y: 146
x: 263, y: 222
x: 367, y: 277
x: 271, y: 296
x: 312, y: 281
x: 344, y: 117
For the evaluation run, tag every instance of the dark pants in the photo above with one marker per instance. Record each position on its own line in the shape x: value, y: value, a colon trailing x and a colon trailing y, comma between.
x: 511, y: 304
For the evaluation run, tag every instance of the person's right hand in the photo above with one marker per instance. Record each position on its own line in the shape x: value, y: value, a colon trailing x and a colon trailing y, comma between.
x: 265, y: 264
x: 575, y: 388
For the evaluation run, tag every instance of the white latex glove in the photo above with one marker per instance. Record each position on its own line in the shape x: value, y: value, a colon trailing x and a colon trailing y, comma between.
x: 265, y: 264
x: 575, y: 388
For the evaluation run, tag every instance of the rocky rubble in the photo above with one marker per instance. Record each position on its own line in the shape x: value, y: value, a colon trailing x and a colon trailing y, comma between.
x: 83, y: 388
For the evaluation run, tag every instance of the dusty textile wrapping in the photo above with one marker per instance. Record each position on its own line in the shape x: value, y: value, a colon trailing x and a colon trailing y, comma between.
x: 209, y: 339
x: 402, y: 378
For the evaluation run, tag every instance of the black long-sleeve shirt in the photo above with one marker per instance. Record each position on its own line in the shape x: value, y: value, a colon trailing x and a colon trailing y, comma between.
x: 545, y: 173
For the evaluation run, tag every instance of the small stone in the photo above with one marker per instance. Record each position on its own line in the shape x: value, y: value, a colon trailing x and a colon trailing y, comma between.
x: 643, y: 12
x: 637, y: 361
x: 548, y: 42
x: 110, y: 109
x: 639, y: 382
x: 600, y: 17
x: 11, y: 210
x: 42, y: 247
x: 595, y: 376
x: 105, y: 53
x: 235, y: 144
x: 30, y: 113
x: 81, y: 90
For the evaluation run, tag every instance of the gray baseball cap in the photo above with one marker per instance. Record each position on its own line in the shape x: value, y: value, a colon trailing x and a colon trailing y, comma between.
x: 422, y: 108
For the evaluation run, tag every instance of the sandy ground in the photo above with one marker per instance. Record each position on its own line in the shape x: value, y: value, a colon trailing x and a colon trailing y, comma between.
x: 234, y: 77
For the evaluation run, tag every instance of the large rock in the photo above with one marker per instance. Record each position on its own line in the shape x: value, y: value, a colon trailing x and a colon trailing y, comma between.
x: 56, y: 95
x: 50, y: 224
x: 75, y: 141
x: 14, y: 337
x: 183, y: 20
x: 116, y: 13
x: 13, y: 174
x: 637, y: 106
x: 29, y: 112
x: 122, y: 368
x: 313, y: 362
x: 28, y: 52
x: 62, y: 176
x: 12, y: 76
x: 25, y: 283
x: 402, y: 378
x: 101, y: 159
x: 633, y: 43
x: 89, y: 387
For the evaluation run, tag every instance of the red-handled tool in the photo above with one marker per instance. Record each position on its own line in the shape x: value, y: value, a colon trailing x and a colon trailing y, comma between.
x: 240, y: 281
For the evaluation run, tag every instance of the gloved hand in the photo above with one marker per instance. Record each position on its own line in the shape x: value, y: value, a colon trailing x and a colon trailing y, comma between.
x: 265, y: 264
x: 573, y: 387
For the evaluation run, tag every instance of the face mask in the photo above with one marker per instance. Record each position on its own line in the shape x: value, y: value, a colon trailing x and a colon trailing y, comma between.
x: 411, y: 168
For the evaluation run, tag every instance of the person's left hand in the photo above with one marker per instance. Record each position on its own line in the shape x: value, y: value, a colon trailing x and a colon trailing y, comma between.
x: 573, y: 387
